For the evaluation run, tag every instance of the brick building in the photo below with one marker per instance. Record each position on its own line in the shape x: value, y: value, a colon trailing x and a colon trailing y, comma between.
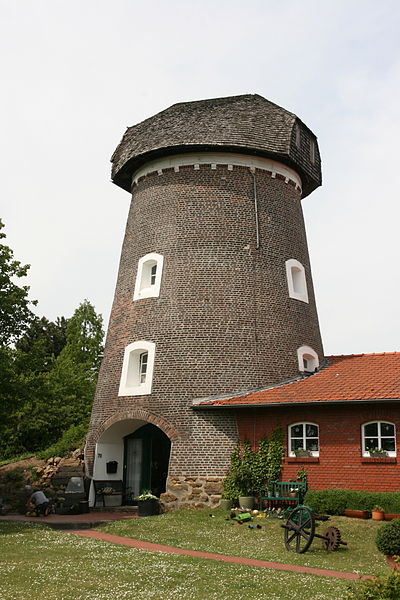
x: 213, y: 335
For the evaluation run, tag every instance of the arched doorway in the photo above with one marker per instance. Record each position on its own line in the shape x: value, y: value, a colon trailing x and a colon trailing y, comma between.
x: 146, y: 459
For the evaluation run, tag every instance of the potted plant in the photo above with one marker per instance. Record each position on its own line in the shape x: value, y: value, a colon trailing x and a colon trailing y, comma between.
x: 246, y: 481
x: 59, y: 505
x: 252, y: 470
x: 302, y: 452
x: 302, y: 474
x: 378, y: 513
x: 270, y: 491
x: 377, y: 453
x: 357, y: 514
x: 391, y: 516
x: 148, y: 504
x: 293, y: 492
x: 242, y: 479
x: 246, y: 489
x: 388, y: 542
x: 225, y: 503
x: 230, y: 492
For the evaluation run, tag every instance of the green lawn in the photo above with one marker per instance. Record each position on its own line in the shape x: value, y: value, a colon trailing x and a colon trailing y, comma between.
x: 37, y: 563
x: 196, y: 530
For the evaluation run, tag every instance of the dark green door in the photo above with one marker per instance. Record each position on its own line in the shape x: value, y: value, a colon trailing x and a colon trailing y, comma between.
x: 146, y: 461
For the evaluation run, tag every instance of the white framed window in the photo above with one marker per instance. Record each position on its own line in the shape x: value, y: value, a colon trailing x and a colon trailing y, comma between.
x: 308, y: 359
x: 148, y: 277
x: 137, y: 369
x: 303, y: 439
x: 378, y: 439
x: 296, y: 280
x: 143, y: 361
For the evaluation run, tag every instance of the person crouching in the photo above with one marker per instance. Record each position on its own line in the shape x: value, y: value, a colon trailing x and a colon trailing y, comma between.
x: 38, y: 505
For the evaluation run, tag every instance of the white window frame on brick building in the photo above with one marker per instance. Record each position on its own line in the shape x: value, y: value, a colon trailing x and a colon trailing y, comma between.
x: 296, y: 280
x: 137, y: 369
x: 300, y: 438
x: 148, y: 277
x: 382, y: 437
x: 308, y: 359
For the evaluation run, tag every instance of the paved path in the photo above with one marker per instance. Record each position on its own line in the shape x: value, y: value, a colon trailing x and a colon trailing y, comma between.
x: 124, y: 541
x: 91, y: 519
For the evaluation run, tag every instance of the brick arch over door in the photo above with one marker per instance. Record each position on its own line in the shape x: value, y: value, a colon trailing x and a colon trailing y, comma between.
x: 132, y: 414
x: 140, y: 415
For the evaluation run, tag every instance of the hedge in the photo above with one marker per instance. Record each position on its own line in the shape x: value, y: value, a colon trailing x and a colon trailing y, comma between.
x: 388, y: 538
x: 335, y: 501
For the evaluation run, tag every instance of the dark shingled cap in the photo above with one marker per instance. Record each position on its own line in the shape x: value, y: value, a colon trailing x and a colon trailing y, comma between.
x: 247, y: 124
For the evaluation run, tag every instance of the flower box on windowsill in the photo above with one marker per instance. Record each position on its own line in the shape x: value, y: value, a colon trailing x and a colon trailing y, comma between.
x: 303, y: 459
x: 383, y: 459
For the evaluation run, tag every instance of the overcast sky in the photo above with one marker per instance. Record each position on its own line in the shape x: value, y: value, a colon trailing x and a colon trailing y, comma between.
x: 76, y: 73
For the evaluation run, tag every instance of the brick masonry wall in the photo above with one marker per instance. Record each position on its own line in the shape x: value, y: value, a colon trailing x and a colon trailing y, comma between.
x: 340, y: 464
x: 223, y: 322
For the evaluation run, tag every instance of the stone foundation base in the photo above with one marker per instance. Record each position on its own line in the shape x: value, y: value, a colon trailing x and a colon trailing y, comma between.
x: 192, y: 492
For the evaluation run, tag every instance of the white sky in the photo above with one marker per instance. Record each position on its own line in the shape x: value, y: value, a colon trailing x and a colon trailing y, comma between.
x: 76, y: 73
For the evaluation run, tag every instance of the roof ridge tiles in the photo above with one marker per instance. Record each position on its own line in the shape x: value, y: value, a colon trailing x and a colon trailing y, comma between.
x: 363, y: 354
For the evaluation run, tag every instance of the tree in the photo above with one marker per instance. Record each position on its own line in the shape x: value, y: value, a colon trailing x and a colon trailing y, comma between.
x: 72, y: 380
x: 84, y: 338
x: 50, y: 392
x: 15, y: 317
x: 15, y: 312
x: 51, y: 336
x: 48, y: 370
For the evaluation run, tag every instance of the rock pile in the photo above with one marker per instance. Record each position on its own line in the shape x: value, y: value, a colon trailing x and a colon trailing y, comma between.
x: 57, y: 471
x: 17, y: 479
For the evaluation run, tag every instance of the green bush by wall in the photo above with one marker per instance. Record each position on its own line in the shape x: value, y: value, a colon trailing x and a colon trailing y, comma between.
x: 388, y: 538
x: 335, y: 501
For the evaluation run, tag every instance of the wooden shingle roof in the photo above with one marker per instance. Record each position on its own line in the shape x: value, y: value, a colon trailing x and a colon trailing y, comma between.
x: 247, y: 124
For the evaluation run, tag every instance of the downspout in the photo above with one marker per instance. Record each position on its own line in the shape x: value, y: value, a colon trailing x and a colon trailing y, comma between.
x: 253, y: 171
x: 257, y: 225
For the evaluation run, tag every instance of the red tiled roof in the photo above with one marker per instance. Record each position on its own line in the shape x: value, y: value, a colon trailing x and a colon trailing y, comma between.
x: 351, y: 377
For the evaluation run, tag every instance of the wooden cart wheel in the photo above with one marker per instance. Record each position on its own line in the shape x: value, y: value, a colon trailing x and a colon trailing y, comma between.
x: 299, y: 530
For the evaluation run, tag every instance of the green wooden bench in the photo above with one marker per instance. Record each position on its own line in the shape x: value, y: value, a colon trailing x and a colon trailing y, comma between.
x: 289, y: 492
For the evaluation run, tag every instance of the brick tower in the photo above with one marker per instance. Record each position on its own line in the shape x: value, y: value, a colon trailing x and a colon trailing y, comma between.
x: 214, y: 293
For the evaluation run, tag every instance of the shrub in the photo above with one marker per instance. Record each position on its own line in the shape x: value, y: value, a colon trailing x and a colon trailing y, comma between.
x: 335, y: 501
x: 15, y: 477
x: 388, y: 538
x: 250, y: 469
x: 330, y: 502
x: 71, y: 439
x: 376, y: 589
x: 230, y: 489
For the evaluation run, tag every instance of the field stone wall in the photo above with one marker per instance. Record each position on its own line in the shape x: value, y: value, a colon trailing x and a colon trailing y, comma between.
x: 192, y: 492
